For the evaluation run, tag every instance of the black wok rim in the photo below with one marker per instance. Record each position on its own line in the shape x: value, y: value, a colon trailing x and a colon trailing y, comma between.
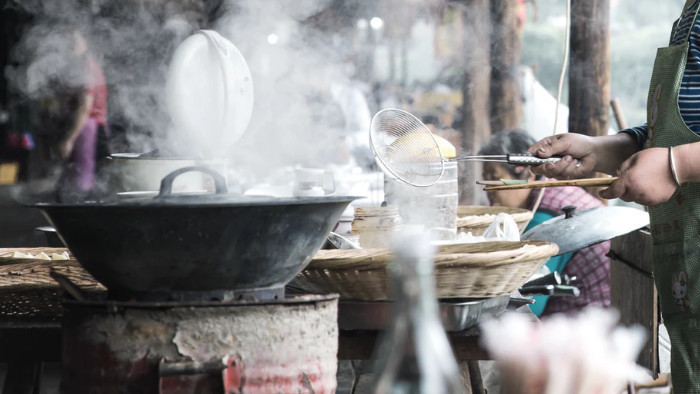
x: 196, y: 202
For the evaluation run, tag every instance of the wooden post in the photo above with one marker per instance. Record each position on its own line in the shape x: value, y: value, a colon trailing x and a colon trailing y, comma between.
x: 475, y: 91
x: 589, y: 72
x: 505, y: 97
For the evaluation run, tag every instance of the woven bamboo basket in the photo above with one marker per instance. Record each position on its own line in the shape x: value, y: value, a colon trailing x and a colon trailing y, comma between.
x: 27, y: 273
x: 476, y: 219
x: 476, y: 270
x: 27, y: 290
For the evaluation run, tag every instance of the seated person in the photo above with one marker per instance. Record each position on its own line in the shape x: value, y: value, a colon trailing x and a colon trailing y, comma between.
x: 589, y: 265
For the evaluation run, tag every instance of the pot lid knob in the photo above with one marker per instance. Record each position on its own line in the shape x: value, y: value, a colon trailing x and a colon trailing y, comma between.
x: 569, y: 211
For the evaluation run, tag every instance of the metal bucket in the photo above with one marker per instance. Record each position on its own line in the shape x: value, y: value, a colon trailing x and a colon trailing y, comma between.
x: 434, y: 206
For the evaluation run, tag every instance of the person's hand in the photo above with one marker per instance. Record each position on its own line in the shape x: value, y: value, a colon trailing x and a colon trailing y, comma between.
x: 65, y: 148
x: 578, y: 156
x: 644, y: 178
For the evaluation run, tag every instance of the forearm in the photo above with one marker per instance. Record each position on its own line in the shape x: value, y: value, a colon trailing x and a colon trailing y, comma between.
x: 612, y: 150
x: 77, y: 126
x: 687, y: 162
x: 81, y: 116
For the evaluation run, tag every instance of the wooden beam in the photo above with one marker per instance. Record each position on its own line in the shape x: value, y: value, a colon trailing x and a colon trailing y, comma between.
x: 505, y: 98
x: 589, y: 71
x: 475, y: 91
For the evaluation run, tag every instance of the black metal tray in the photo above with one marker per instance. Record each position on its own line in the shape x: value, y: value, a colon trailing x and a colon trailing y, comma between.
x: 457, y: 314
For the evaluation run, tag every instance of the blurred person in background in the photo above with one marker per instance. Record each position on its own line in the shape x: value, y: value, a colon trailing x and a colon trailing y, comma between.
x: 73, y: 138
x: 340, y: 112
x: 589, y: 265
x: 350, y: 94
x: 84, y: 143
x: 441, y: 122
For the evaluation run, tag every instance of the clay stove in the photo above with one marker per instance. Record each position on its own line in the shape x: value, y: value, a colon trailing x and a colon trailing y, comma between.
x: 250, y: 345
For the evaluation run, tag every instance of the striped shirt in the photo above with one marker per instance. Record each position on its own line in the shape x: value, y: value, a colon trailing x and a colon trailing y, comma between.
x: 689, y: 94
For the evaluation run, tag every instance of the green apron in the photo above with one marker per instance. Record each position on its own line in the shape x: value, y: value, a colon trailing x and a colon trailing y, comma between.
x: 675, y: 224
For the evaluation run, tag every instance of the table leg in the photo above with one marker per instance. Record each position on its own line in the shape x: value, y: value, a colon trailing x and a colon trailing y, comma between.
x: 475, y: 382
x: 23, y: 377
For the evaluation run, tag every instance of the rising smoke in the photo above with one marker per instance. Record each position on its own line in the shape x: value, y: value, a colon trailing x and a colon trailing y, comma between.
x: 295, y: 119
x: 132, y: 42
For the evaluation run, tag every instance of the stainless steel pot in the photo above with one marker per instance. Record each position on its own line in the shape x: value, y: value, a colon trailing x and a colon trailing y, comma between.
x: 133, y: 172
x: 171, y: 244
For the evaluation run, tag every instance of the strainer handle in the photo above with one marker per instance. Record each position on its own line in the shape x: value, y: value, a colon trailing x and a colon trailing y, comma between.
x: 510, y: 158
x: 527, y: 159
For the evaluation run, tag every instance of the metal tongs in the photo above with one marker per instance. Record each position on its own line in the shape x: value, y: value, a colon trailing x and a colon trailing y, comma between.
x: 510, y: 158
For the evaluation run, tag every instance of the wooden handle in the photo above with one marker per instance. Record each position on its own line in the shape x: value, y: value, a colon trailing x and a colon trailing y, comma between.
x: 570, y: 182
x: 619, y: 116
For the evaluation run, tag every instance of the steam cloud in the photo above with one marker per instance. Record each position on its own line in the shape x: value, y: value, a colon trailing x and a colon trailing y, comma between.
x: 132, y: 42
x: 294, y: 117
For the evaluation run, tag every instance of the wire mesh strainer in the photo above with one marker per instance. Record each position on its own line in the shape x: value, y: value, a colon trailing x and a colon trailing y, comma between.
x: 405, y: 148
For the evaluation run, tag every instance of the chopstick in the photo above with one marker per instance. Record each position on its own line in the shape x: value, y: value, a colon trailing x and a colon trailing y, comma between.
x: 490, y: 183
x: 536, y: 184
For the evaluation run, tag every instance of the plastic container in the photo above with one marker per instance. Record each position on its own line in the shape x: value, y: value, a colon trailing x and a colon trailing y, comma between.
x: 374, y: 226
x: 434, y: 207
x: 313, y: 182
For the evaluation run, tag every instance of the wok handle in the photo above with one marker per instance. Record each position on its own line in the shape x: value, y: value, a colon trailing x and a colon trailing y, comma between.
x: 166, y: 184
x: 552, y: 278
x: 550, y: 290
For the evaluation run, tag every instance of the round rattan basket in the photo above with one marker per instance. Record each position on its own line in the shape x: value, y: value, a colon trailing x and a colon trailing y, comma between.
x: 475, y: 270
x: 476, y: 219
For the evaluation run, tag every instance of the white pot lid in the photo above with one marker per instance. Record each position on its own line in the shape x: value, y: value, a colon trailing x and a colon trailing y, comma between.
x: 209, y: 89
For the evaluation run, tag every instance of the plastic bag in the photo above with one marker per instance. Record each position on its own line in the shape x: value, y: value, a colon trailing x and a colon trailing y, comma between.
x: 503, y: 228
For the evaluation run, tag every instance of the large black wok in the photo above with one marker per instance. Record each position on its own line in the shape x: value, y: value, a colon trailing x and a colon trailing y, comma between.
x: 217, y: 242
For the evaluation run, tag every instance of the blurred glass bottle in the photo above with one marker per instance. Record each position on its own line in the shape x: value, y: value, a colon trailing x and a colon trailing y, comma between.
x: 414, y: 355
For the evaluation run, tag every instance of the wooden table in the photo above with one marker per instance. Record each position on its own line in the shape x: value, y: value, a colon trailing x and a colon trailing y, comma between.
x: 466, y: 345
x: 360, y: 345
